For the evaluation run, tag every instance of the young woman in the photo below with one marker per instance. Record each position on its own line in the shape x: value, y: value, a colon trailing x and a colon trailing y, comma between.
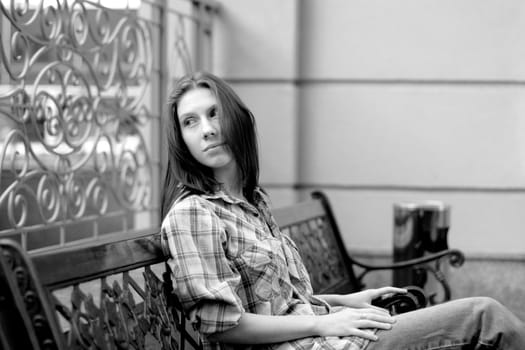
x: 242, y: 282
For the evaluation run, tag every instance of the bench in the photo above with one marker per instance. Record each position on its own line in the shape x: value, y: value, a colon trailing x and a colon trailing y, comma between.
x: 114, y: 293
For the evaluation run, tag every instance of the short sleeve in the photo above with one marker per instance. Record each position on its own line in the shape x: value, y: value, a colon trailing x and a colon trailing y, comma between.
x: 203, y: 277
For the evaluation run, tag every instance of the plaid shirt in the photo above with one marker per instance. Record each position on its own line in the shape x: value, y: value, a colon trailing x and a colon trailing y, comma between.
x: 228, y: 257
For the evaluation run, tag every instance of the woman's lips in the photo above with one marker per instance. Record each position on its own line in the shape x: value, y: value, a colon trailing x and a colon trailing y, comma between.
x: 215, y: 145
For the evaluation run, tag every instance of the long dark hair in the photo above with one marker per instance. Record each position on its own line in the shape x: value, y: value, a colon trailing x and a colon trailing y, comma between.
x: 237, y: 128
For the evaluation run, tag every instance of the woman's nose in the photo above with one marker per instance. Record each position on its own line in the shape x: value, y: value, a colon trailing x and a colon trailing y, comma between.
x: 208, y: 129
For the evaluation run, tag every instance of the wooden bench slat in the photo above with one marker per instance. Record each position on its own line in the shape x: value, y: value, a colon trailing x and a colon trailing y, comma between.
x: 300, y: 212
x: 68, y: 265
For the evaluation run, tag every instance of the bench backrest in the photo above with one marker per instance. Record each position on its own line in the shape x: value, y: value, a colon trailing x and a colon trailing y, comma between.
x: 113, y: 293
x: 312, y: 226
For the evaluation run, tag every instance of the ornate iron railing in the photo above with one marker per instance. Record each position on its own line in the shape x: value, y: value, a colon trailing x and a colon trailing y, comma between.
x: 82, y: 91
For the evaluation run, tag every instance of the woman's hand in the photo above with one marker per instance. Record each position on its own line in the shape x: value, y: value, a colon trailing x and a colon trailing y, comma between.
x: 361, y: 299
x: 355, y: 322
x: 264, y: 329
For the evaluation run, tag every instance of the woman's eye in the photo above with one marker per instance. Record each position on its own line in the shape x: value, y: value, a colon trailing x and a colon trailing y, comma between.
x: 188, y: 121
x: 213, y: 112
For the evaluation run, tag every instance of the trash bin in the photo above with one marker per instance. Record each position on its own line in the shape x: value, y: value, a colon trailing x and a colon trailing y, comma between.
x: 419, y: 227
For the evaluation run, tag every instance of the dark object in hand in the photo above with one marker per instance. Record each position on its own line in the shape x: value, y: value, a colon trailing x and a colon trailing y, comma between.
x: 398, y: 303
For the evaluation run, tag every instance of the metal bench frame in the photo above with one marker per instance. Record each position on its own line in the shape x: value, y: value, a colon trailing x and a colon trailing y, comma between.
x: 114, y: 293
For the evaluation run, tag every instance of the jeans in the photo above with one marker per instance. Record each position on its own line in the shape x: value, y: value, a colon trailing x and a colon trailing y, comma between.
x: 471, y: 323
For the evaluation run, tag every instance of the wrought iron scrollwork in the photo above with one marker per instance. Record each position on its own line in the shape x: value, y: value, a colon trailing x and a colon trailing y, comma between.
x: 314, y: 240
x: 131, y: 315
x: 73, y: 96
x: 20, y: 284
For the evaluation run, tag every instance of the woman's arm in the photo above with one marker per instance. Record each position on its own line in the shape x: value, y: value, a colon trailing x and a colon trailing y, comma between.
x: 261, y: 329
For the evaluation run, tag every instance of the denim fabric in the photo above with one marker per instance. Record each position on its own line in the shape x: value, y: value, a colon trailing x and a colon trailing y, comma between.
x: 478, y: 323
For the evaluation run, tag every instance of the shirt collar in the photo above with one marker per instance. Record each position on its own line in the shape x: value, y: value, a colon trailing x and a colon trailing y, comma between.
x: 220, y: 194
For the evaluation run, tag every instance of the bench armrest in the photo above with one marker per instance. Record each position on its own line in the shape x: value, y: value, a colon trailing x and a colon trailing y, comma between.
x: 456, y: 258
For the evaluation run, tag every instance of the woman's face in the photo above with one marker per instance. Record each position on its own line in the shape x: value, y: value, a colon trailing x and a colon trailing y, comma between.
x: 200, y: 128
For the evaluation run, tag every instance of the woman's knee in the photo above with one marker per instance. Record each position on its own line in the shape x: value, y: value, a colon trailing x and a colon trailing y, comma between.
x: 498, y: 319
x: 488, y: 307
x: 486, y: 303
